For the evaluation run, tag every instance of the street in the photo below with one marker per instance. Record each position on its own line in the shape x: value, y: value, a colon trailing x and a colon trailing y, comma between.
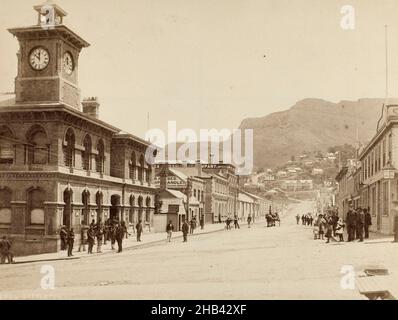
x: 257, y: 263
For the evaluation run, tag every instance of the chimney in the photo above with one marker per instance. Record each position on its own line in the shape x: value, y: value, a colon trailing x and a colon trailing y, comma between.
x: 91, y: 107
x: 163, y: 176
x: 199, y: 167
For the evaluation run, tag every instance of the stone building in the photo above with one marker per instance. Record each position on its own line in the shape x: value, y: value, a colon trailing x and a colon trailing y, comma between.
x: 378, y: 178
x: 180, y: 177
x: 219, y: 192
x: 60, y: 164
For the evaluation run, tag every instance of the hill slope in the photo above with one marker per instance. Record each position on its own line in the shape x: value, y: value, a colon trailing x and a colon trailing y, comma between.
x: 311, y: 124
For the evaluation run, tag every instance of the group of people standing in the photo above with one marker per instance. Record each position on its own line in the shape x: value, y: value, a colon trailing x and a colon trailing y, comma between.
x: 306, y: 219
x: 358, y: 222
x: 272, y: 218
x: 330, y: 225
x: 185, y: 228
x: 97, y: 233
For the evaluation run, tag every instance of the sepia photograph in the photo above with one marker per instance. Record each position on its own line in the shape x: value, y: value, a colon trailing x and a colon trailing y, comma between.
x: 198, y: 150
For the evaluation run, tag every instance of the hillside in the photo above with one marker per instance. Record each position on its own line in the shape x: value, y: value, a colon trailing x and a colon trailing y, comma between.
x: 310, y: 125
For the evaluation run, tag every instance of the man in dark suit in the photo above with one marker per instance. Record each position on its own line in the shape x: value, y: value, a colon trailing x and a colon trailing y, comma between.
x: 185, y: 230
x: 351, y: 224
x: 139, y: 229
x: 368, y: 222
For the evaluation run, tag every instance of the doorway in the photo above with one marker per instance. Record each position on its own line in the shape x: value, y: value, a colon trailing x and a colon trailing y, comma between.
x: 66, y: 219
x: 115, y: 207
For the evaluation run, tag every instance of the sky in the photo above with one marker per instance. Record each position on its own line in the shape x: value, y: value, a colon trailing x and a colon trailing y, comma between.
x: 212, y: 63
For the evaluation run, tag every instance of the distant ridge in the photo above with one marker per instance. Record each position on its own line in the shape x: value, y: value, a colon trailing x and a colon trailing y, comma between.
x: 312, y: 124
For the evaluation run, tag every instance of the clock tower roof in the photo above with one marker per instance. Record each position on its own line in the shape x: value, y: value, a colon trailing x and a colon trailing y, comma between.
x: 50, y: 22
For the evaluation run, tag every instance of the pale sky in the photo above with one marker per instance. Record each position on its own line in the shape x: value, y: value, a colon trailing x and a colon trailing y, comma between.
x: 201, y: 62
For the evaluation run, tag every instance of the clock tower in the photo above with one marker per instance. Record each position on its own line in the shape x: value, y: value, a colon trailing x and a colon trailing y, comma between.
x: 48, y: 60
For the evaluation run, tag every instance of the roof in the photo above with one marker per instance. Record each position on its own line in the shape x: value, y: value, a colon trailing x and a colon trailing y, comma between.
x: 129, y: 136
x: 176, y: 194
x: 57, y: 29
x: 179, y: 174
x: 179, y: 195
x: 245, y: 198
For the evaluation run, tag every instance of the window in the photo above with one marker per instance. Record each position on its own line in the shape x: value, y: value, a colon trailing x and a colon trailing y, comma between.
x: 390, y: 148
x: 141, y: 169
x: 384, y: 152
x: 132, y: 166
x: 38, y: 146
x: 69, y: 148
x: 5, y: 206
x: 148, y: 212
x: 86, y: 207
x: 148, y: 174
x: 86, y: 154
x: 100, y: 158
x: 36, y: 206
x: 386, y: 198
x: 6, y: 146
x: 132, y: 204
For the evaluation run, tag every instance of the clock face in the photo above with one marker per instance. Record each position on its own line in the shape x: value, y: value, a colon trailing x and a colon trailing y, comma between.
x: 68, y: 63
x: 39, y: 58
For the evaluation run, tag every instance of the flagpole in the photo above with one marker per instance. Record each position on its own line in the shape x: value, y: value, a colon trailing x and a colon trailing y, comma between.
x: 386, y: 62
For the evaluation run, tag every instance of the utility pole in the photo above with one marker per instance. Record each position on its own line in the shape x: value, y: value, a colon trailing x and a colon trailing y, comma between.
x: 188, y: 195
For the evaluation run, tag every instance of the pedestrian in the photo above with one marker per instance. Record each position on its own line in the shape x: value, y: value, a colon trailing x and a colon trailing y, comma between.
x: 192, y: 225
x: 83, y: 238
x: 236, y: 222
x: 298, y: 218
x: 202, y: 222
x: 360, y: 224
x: 185, y: 230
x: 368, y: 222
x: 228, y: 222
x: 106, y: 230
x: 321, y: 226
x: 340, y: 229
x: 92, y: 224
x: 100, y: 237
x: 139, y: 229
x: 303, y: 219
x: 71, y: 241
x: 311, y: 219
x: 91, y: 238
x: 249, y: 220
x: 316, y: 231
x: 120, y: 232
x: 351, y: 224
x: 112, y: 234
x: 169, y: 230
x: 329, y: 229
x: 64, y: 237
x: 6, y: 251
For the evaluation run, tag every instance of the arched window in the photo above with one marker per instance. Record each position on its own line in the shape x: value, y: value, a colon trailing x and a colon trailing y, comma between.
x: 86, y: 154
x: 99, y: 199
x: 132, y: 204
x: 148, y: 174
x: 100, y: 158
x: 69, y: 148
x: 38, y: 146
x: 148, y: 209
x: 86, y: 207
x: 36, y: 198
x: 140, y: 205
x: 133, y: 166
x: 7, y: 152
x: 141, y: 169
x: 5, y: 206
x: 67, y: 216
